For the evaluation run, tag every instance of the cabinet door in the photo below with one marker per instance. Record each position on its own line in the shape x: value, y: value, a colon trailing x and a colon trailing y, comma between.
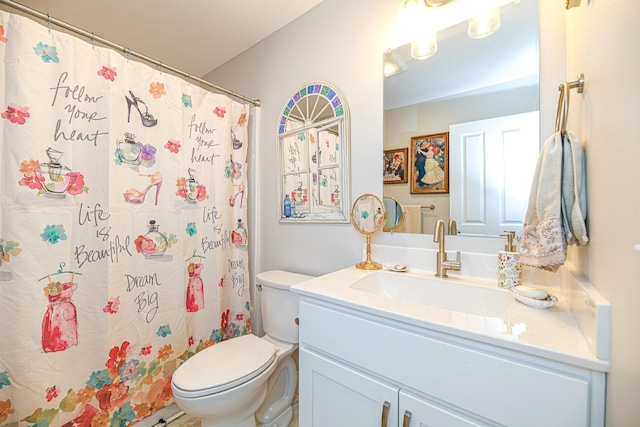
x: 333, y: 395
x: 416, y: 412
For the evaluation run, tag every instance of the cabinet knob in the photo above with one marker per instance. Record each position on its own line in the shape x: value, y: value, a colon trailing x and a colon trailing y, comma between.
x: 407, y: 419
x: 385, y: 413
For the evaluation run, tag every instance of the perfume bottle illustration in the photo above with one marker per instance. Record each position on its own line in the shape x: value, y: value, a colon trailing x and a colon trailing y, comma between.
x: 239, y: 235
x: 152, y: 244
x: 57, y: 180
x: 129, y: 151
x: 192, y: 186
x: 137, y: 197
x: 189, y: 188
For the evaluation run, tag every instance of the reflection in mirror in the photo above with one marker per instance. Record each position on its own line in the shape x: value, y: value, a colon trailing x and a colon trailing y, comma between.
x: 368, y: 216
x: 395, y: 213
x: 313, y: 134
x: 467, y: 80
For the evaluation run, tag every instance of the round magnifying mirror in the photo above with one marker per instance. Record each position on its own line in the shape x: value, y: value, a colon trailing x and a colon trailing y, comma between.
x: 395, y: 213
x: 368, y: 216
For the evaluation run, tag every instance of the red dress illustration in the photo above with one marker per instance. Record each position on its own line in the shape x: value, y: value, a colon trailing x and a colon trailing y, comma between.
x: 60, y: 324
x: 195, y: 288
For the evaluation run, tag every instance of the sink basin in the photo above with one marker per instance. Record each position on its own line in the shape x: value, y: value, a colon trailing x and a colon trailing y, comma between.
x: 450, y: 294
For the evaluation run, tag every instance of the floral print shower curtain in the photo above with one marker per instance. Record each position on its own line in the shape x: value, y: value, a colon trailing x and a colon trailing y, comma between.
x: 123, y: 229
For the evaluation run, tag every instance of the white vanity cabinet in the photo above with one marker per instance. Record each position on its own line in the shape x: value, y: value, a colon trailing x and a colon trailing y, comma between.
x: 352, y: 363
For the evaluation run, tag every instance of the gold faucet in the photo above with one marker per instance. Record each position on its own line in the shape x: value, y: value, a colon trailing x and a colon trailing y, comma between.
x: 442, y: 263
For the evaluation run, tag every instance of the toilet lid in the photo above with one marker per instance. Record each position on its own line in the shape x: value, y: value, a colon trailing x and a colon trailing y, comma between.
x: 223, y: 366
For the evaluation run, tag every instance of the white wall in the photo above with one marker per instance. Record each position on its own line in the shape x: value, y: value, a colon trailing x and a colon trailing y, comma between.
x: 342, y: 42
x: 603, y: 42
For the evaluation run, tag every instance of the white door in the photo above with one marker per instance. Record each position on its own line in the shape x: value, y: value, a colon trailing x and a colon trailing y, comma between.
x: 491, y: 164
x: 333, y: 395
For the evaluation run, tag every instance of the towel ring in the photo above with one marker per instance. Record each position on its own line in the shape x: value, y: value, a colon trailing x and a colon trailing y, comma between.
x: 563, y: 108
x: 563, y: 101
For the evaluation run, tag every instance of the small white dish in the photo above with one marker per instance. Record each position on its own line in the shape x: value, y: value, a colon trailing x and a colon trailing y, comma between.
x: 398, y: 268
x: 550, y: 301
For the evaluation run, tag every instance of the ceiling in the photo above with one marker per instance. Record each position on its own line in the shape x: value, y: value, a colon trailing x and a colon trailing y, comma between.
x: 195, y: 36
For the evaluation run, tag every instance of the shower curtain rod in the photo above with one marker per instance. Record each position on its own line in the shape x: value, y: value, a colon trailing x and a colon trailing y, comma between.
x: 127, y: 51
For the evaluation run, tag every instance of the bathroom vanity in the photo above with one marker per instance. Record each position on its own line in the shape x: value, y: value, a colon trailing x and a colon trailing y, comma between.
x: 371, y: 355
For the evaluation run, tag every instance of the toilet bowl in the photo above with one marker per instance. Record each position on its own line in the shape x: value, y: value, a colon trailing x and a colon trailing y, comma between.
x: 247, y: 381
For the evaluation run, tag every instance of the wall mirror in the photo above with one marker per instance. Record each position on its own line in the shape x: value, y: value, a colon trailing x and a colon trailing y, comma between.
x: 313, y: 151
x: 466, y: 80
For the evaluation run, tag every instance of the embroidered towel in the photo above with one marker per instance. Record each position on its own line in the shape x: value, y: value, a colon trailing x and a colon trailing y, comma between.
x: 557, y: 204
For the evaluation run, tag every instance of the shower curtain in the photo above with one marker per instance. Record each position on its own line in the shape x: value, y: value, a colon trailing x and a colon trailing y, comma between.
x: 123, y: 229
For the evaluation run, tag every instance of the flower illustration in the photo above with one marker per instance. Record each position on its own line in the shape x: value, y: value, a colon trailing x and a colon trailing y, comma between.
x: 112, y: 306
x: 16, y: 114
x: 4, y: 379
x: 112, y: 396
x: 147, y: 152
x: 164, y: 331
x: 220, y: 112
x: 157, y: 90
x: 5, y: 410
x: 76, y: 184
x: 173, y: 145
x: 99, y: 379
x: 53, y: 233
x: 52, y: 393
x: 191, y: 229
x: 46, y: 52
x: 7, y: 250
x: 221, y: 282
x: 145, y: 245
x: 129, y: 371
x: 201, y: 192
x: 145, y: 350
x: 108, y: 72
x: 164, y: 352
x: 3, y: 39
x: 242, y: 120
x: 192, y: 341
x: 186, y: 100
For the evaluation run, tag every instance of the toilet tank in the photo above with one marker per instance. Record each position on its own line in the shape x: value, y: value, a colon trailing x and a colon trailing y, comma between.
x: 278, y: 304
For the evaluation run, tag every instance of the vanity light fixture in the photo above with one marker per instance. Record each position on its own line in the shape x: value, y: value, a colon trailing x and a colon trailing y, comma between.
x: 484, y: 24
x: 420, y: 20
x: 390, y: 67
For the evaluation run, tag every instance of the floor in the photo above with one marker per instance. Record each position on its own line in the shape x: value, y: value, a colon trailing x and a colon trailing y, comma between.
x: 187, y: 421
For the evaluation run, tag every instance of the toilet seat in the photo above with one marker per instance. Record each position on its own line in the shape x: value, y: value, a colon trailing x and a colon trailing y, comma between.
x: 223, y: 366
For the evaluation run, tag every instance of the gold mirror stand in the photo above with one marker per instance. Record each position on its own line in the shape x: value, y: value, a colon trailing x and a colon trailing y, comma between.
x: 368, y: 216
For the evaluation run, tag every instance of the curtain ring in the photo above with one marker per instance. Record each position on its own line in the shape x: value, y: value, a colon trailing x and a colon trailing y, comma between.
x: 93, y: 40
x: 49, y: 22
x: 160, y: 67
x: 127, y: 51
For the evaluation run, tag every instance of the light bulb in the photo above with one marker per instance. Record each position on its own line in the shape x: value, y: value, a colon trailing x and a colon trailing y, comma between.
x: 390, y: 67
x: 485, y: 23
x: 424, y: 46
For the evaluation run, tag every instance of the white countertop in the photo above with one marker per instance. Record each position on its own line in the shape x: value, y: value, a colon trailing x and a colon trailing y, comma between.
x: 552, y: 333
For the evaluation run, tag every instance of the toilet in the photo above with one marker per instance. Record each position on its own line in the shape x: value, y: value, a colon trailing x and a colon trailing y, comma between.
x: 247, y: 381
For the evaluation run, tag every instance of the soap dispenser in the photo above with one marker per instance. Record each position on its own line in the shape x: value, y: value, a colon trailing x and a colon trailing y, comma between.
x: 509, y: 270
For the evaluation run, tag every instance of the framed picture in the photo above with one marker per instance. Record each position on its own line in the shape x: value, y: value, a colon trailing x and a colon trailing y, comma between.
x: 395, y: 166
x: 430, y: 164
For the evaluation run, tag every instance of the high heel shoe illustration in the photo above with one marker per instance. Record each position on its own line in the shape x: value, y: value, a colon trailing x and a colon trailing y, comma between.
x: 137, y: 197
x: 147, y: 119
x: 232, y: 199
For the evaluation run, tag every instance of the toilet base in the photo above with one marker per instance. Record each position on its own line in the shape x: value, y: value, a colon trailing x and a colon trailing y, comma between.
x: 248, y: 422
x: 282, y: 420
